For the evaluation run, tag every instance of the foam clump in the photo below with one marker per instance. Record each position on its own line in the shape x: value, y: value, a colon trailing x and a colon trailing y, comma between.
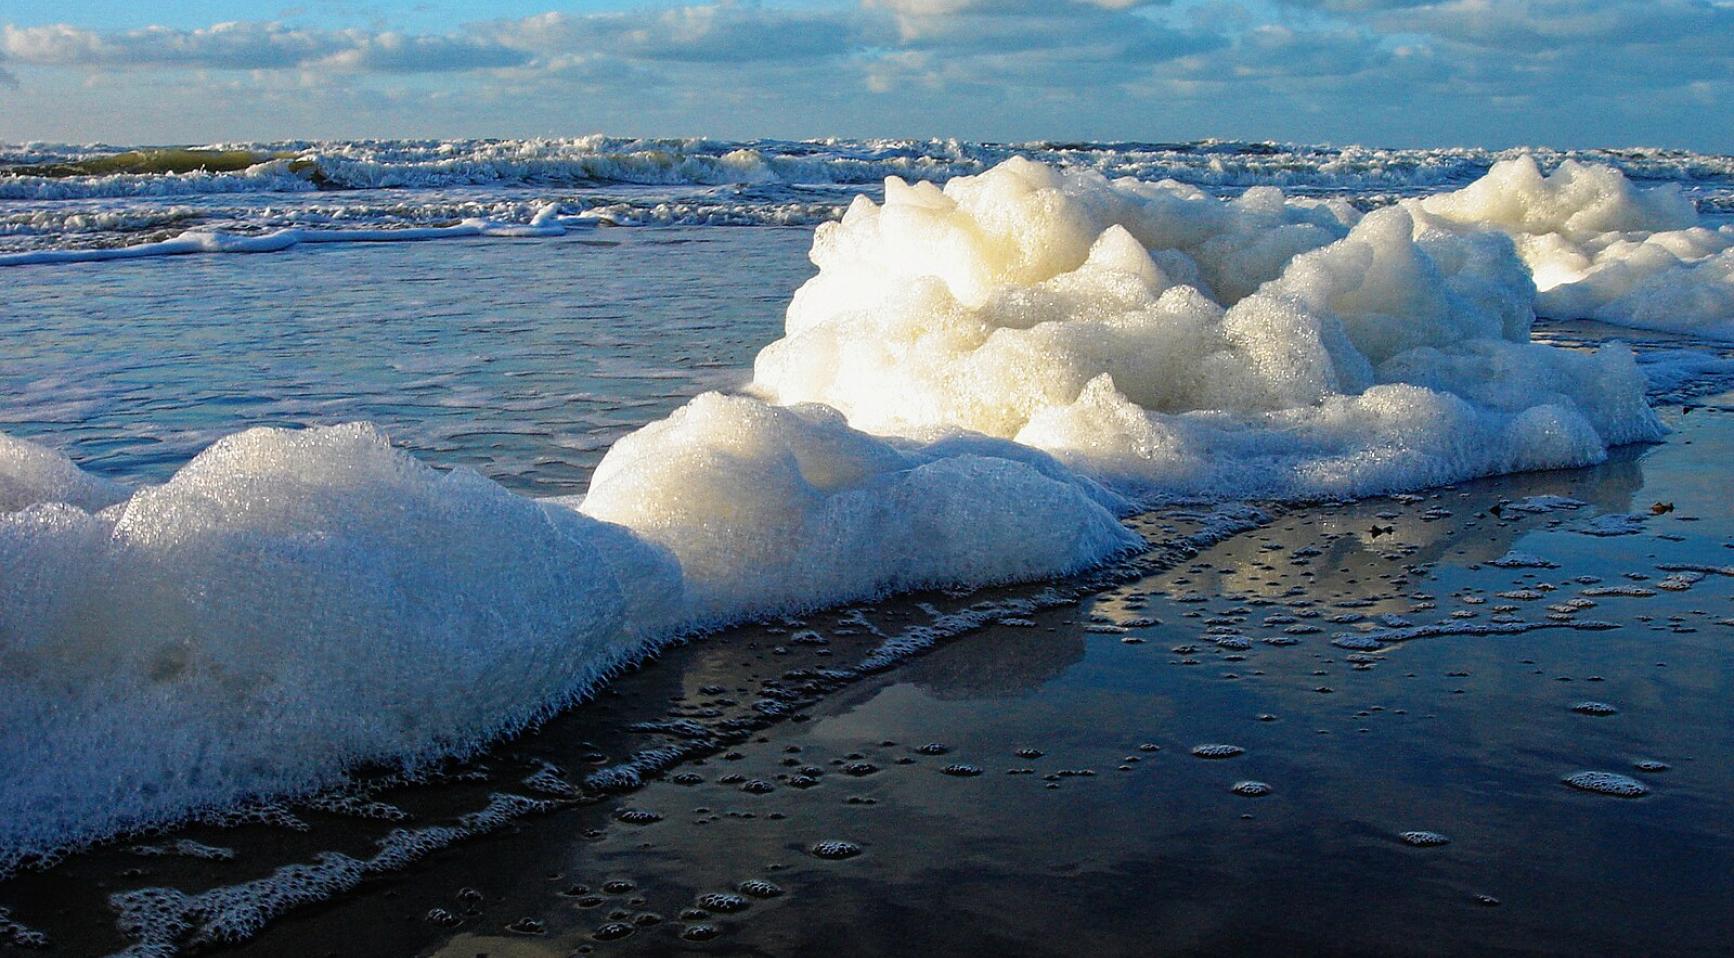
x: 1423, y: 839
x: 1175, y: 344
x: 1601, y: 248
x: 776, y: 508
x: 1522, y: 560
x: 1607, y: 783
x: 291, y: 603
x: 31, y: 473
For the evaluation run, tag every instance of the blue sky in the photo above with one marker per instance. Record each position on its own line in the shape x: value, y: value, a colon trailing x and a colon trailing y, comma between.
x: 1380, y: 72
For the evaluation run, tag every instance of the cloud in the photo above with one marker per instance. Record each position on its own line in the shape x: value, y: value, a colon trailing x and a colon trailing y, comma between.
x: 1357, y: 6
x: 1285, y: 52
x: 712, y: 33
x: 250, y: 46
x: 1540, y: 25
x: 398, y: 53
x: 1393, y: 71
x: 1009, y: 26
x: 935, y: 43
x: 226, y: 45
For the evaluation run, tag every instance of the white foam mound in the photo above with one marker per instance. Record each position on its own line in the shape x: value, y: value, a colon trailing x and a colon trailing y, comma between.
x: 293, y: 603
x: 289, y: 604
x: 1182, y: 345
x: 32, y: 473
x: 772, y: 508
x: 1601, y: 248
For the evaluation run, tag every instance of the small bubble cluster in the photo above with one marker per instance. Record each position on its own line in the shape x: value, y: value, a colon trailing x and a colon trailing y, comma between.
x: 1424, y: 839
x: 722, y: 903
x: 612, y: 931
x: 1608, y: 783
x: 835, y: 849
x: 439, y: 916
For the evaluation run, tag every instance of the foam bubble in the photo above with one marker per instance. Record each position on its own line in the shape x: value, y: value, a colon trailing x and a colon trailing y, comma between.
x: 1421, y: 839
x: 703, y: 931
x: 1522, y: 560
x: 835, y: 849
x: 612, y: 931
x: 1608, y: 783
x: 723, y: 903
x: 760, y: 888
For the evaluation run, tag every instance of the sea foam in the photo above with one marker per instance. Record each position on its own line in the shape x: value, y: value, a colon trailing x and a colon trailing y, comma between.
x: 1601, y: 248
x: 31, y: 473
x: 288, y: 605
x: 545, y: 222
x: 1175, y: 344
x: 772, y: 508
x: 976, y: 384
x: 294, y: 603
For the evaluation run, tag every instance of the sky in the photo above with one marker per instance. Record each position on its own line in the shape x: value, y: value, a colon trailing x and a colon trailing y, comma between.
x: 1496, y: 73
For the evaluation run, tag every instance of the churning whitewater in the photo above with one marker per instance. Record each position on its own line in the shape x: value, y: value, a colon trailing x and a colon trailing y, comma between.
x: 1658, y: 255
x: 981, y: 379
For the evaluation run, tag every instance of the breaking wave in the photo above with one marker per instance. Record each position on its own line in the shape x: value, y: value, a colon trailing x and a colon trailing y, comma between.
x: 43, y: 171
x: 1636, y: 237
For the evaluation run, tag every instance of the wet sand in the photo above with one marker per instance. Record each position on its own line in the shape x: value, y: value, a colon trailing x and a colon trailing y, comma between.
x: 1435, y: 665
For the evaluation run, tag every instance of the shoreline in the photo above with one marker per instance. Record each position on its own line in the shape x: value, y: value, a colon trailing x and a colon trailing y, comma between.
x: 585, y: 843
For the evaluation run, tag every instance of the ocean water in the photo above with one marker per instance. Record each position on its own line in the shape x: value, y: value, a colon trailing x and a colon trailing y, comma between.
x: 527, y: 369
x: 66, y: 196
x: 622, y: 391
